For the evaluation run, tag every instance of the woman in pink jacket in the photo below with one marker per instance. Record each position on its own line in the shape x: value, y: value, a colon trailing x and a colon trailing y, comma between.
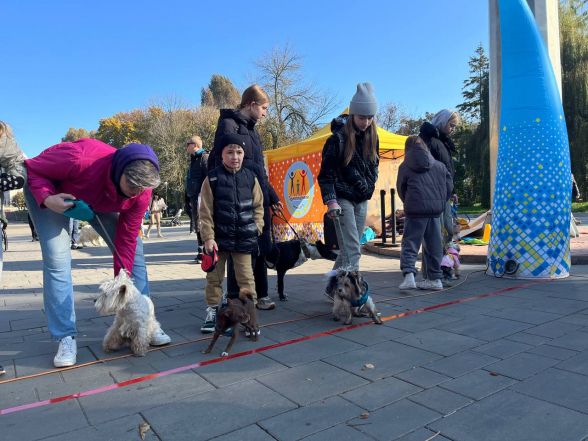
x: 117, y: 184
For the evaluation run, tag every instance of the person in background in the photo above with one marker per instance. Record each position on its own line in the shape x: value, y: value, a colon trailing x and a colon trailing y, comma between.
x: 349, y: 171
x: 197, y: 171
x: 117, y: 184
x: 424, y: 185
x: 253, y: 107
x: 74, y: 233
x: 155, y: 210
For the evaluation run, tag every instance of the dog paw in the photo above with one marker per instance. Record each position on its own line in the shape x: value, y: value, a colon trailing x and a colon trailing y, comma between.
x: 224, y: 354
x: 205, y: 351
x: 377, y: 320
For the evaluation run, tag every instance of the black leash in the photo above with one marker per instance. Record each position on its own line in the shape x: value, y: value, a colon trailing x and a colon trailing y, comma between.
x: 280, y: 215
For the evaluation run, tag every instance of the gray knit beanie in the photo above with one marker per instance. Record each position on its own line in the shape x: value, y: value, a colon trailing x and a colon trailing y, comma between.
x: 364, y: 101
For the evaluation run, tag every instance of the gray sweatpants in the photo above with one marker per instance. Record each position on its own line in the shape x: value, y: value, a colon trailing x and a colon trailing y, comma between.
x: 352, y: 221
x: 425, y: 230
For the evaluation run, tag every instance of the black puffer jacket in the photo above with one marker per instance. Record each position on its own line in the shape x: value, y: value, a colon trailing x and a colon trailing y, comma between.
x: 423, y: 184
x: 197, y: 172
x: 234, y: 224
x: 357, y: 180
x: 441, y: 146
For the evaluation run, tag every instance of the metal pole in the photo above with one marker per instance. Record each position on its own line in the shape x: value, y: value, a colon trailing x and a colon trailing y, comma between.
x: 393, y: 218
x: 383, y: 214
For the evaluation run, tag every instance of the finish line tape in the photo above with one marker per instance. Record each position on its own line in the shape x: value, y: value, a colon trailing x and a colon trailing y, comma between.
x: 200, y: 364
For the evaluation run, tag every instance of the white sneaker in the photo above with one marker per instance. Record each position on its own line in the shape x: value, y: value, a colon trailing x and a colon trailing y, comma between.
x: 408, y: 282
x: 430, y: 285
x: 159, y: 338
x: 67, y: 352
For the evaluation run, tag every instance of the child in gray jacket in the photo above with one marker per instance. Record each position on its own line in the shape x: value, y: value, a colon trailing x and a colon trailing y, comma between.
x: 424, y: 185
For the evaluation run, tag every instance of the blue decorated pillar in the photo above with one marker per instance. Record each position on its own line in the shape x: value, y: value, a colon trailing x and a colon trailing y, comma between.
x: 532, y: 194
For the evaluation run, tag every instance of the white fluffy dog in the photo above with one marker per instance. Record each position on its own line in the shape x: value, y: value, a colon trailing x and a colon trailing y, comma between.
x: 135, y: 321
x: 88, y: 235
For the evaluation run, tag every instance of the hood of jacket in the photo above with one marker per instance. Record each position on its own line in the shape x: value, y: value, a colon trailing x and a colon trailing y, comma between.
x: 237, y: 116
x: 338, y: 123
x: 418, y: 158
x: 428, y: 131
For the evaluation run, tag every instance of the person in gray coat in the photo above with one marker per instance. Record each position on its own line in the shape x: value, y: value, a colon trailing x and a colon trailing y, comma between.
x: 424, y: 185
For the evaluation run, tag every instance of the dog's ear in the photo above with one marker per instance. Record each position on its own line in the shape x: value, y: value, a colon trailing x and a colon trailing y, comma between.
x: 331, y: 285
x: 122, y: 291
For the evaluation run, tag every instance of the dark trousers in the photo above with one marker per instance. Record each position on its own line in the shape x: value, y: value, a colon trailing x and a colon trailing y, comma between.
x: 188, y: 211
x: 195, y: 221
x: 32, y: 227
x: 259, y: 270
x: 425, y: 231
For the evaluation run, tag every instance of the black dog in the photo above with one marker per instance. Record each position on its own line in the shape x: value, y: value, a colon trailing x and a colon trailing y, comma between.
x: 292, y: 253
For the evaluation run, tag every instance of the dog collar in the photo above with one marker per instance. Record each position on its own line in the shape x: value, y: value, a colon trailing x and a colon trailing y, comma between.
x: 363, y: 298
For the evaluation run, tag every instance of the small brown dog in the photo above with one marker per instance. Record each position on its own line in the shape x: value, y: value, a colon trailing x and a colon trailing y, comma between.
x: 350, y: 296
x: 231, y: 314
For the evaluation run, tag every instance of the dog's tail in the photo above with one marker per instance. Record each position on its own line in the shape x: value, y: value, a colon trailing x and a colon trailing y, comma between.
x: 325, y: 252
x: 245, y: 294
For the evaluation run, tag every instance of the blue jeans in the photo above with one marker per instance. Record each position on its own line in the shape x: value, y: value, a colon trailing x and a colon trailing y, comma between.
x: 58, y: 297
x: 352, y: 222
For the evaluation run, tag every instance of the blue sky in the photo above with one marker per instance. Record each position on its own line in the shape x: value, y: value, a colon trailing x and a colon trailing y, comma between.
x: 71, y: 63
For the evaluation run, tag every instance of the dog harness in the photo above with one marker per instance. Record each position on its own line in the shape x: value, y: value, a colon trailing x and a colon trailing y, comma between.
x: 363, y: 299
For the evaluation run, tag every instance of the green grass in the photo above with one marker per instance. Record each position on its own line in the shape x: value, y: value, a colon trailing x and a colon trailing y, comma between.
x: 580, y: 207
x: 472, y: 209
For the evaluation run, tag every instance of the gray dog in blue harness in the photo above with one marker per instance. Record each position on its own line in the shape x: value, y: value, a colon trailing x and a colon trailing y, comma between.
x: 351, y: 297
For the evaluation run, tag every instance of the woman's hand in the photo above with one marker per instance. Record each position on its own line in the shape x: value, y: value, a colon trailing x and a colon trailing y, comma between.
x: 333, y: 209
x: 278, y: 206
x: 57, y: 203
x: 210, y: 245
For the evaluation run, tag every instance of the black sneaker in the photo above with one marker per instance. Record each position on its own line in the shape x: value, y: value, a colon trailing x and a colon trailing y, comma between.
x: 210, y: 321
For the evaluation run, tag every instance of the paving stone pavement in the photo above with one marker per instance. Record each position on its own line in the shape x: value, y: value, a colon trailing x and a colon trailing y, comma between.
x: 508, y: 367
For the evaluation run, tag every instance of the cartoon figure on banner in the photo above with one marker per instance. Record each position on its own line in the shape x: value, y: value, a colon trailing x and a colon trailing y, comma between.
x: 303, y: 176
x: 298, y: 195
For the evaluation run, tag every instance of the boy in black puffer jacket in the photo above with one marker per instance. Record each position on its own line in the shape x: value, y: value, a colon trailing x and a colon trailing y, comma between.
x: 231, y: 216
x: 424, y: 185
